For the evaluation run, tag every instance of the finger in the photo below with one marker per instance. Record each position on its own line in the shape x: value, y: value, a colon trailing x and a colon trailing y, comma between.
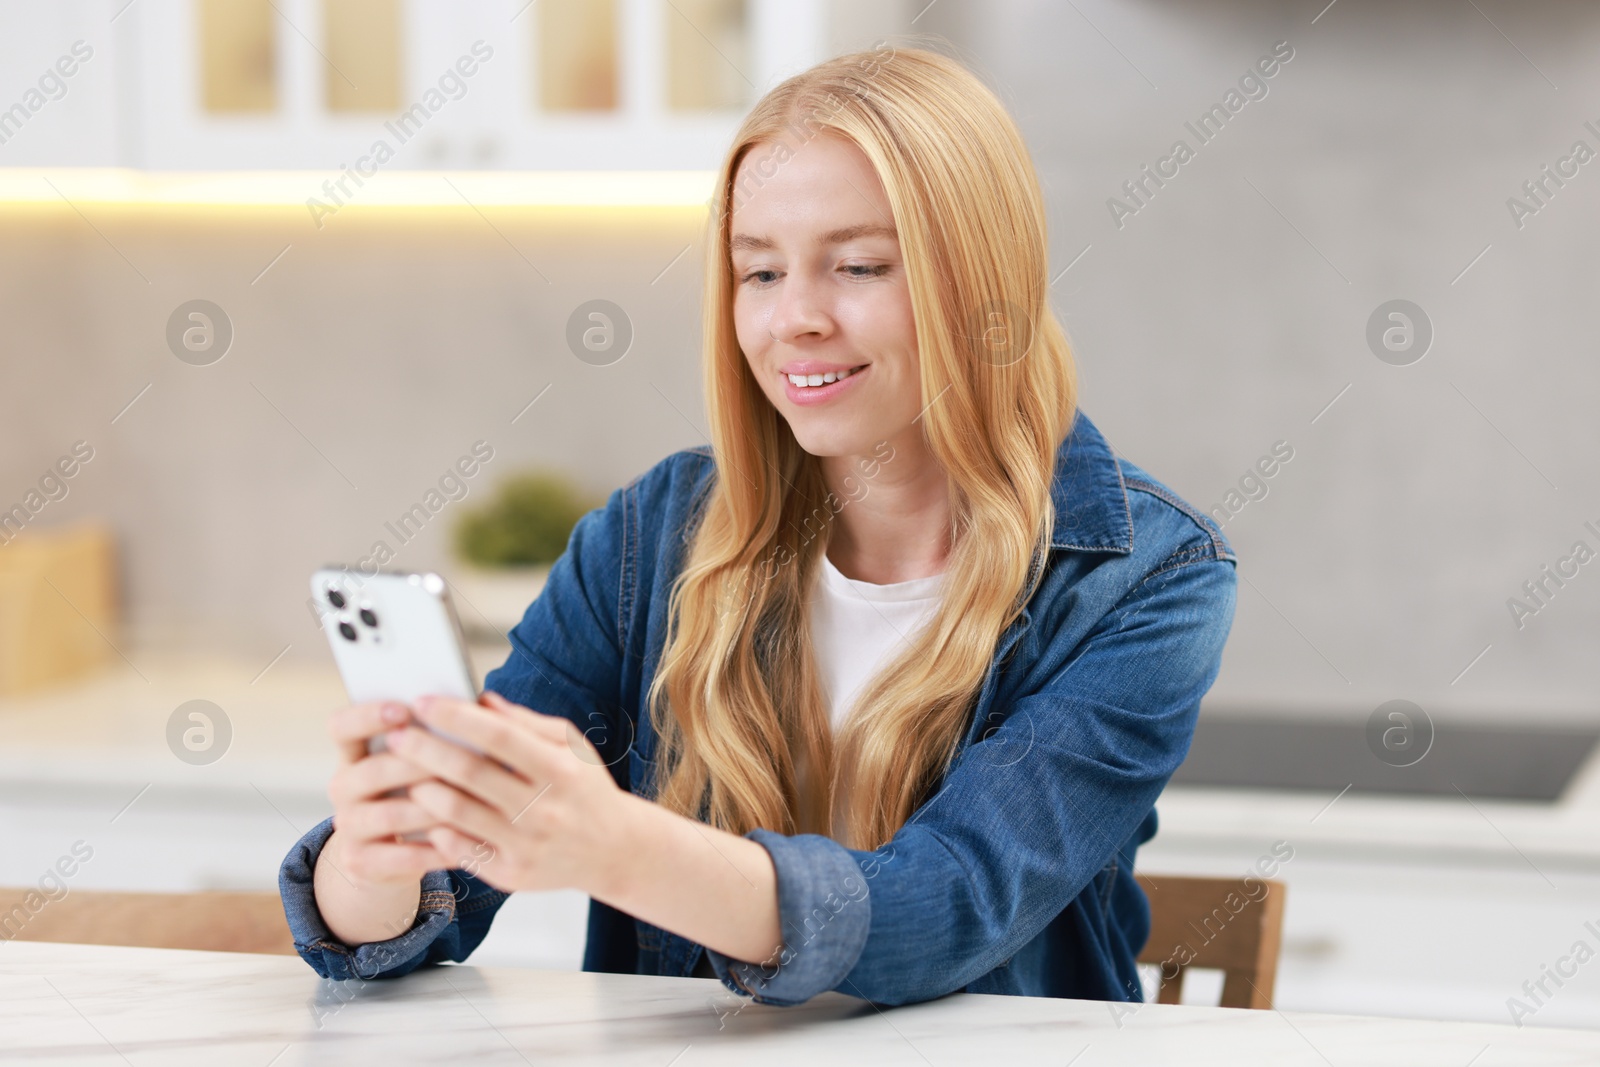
x: 478, y: 775
x: 379, y: 820
x: 372, y: 777
x: 389, y: 861
x: 351, y: 726
x: 492, y: 712
x: 504, y: 728
x: 466, y: 854
x: 511, y: 732
x: 495, y: 702
x: 467, y: 813
x: 550, y: 727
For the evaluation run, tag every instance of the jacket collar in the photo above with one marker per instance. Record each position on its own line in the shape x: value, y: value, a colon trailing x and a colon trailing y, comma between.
x: 1090, y: 496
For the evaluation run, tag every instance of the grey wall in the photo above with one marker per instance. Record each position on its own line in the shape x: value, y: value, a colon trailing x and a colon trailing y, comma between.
x: 365, y: 362
x: 1230, y: 310
x: 1221, y: 318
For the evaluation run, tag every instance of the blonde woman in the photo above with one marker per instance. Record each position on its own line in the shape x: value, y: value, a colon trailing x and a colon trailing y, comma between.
x: 876, y: 693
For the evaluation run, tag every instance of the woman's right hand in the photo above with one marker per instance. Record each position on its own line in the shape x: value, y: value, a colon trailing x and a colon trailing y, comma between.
x: 368, y: 882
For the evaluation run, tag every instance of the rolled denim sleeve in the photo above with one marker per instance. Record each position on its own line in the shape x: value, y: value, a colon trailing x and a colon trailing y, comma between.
x: 1023, y: 820
x: 825, y: 914
x: 453, y: 917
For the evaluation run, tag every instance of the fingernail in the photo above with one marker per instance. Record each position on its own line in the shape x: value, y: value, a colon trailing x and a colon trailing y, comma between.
x: 392, y: 713
x: 392, y: 736
x: 425, y: 704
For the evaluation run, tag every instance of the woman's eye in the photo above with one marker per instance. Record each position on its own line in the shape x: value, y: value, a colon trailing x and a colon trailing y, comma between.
x: 850, y: 270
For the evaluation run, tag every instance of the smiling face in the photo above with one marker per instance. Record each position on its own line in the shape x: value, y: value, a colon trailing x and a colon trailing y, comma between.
x: 820, y: 293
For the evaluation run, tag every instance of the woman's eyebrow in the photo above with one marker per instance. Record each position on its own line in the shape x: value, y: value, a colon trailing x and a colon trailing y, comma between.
x: 740, y: 241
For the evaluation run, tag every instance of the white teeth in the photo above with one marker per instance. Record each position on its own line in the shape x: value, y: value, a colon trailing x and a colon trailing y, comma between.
x: 807, y: 381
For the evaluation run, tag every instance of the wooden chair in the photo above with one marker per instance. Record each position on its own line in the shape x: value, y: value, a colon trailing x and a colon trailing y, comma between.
x: 215, y: 921
x: 1226, y: 924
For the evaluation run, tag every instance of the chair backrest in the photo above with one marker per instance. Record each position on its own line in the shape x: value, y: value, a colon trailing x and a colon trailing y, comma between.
x: 215, y: 921
x: 1234, y: 925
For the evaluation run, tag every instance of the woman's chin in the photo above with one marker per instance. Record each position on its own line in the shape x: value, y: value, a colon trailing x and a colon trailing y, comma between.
x: 824, y: 441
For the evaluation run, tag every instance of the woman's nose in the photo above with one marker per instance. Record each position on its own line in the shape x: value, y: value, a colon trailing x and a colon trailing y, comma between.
x: 801, y: 311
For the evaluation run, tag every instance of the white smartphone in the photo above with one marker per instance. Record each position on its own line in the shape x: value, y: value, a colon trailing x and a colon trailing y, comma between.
x: 395, y: 637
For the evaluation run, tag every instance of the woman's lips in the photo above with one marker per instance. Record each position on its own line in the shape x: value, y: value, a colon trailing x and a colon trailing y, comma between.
x: 821, y: 394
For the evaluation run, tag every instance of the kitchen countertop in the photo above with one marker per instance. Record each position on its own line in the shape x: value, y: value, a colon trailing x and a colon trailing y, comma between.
x: 108, y: 733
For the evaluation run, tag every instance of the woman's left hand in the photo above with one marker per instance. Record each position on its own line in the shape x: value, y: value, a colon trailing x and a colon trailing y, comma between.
x: 542, y: 813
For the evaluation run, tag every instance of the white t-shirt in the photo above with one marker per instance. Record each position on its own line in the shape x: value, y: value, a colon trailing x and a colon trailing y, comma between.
x: 858, y: 627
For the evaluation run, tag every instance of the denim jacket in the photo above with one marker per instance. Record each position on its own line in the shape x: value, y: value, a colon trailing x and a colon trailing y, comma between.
x: 1015, y: 876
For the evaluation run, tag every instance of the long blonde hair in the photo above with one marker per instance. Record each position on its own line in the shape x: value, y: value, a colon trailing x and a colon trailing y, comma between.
x: 745, y: 739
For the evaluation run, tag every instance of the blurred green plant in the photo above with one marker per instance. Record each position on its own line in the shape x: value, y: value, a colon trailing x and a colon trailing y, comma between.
x: 526, y: 522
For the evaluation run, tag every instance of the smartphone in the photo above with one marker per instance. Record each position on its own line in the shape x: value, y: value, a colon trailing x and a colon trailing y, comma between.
x: 394, y: 636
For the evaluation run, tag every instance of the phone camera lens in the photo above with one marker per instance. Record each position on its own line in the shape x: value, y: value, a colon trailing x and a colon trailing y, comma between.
x: 348, y: 631
x: 368, y: 617
x: 336, y: 598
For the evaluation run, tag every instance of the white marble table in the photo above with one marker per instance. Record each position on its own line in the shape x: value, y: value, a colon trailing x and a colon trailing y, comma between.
x: 91, y: 1004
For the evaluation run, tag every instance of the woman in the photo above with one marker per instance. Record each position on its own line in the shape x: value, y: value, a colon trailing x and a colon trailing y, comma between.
x: 876, y: 694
